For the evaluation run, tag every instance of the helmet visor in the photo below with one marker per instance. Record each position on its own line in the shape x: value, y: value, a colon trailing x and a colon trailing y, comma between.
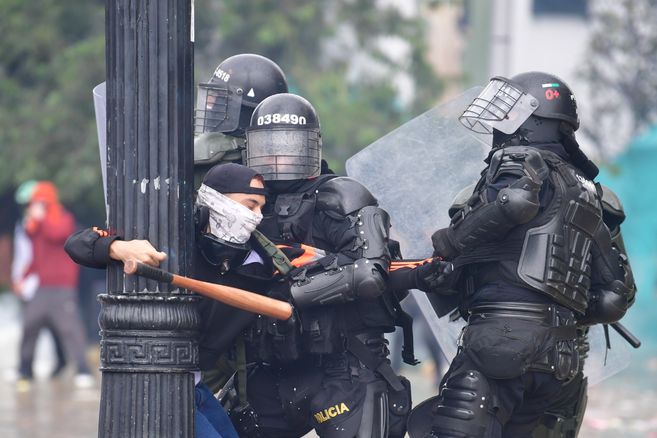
x: 217, y: 108
x: 501, y: 105
x: 280, y: 155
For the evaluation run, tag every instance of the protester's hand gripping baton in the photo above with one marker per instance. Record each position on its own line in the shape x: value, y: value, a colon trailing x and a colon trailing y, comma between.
x: 231, y: 296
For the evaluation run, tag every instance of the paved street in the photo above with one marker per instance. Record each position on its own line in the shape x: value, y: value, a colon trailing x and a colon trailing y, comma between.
x: 621, y: 406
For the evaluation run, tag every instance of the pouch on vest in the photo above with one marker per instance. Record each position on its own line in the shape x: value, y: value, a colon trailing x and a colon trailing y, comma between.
x: 503, y: 348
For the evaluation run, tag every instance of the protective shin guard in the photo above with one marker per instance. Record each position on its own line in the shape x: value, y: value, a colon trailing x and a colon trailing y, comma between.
x: 465, y: 407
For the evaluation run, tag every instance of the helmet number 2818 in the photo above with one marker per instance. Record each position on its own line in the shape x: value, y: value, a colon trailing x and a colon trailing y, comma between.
x: 292, y: 119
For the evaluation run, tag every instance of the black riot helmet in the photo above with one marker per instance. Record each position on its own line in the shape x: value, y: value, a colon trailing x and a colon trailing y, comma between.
x: 529, y: 108
x: 555, y: 99
x: 283, y: 140
x: 225, y: 103
x: 532, y: 106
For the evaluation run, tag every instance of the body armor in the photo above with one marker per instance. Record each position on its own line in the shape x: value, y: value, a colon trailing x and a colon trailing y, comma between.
x: 328, y: 307
x: 552, y: 252
x: 292, y: 216
x: 556, y: 252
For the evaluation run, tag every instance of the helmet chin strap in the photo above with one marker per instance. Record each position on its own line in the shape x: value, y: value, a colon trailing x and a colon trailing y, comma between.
x: 578, y: 158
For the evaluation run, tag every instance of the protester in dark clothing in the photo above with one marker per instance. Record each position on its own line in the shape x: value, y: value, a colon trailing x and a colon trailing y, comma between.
x: 227, y: 210
x: 54, y: 303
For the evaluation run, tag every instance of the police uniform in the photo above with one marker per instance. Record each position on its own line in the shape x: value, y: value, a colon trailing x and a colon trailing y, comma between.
x: 535, y: 262
x: 332, y: 374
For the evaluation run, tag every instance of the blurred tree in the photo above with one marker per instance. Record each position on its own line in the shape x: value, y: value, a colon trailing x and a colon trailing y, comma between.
x: 52, y: 54
x: 360, y: 62
x: 621, y: 68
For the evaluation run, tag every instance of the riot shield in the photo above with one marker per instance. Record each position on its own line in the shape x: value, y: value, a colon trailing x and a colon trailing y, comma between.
x: 415, y: 172
x: 602, y: 363
x: 100, y: 96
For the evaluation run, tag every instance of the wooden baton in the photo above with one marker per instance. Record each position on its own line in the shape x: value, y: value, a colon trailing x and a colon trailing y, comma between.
x: 232, y: 296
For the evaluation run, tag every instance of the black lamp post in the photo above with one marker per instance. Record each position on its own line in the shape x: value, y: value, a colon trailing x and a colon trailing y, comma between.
x: 148, y: 329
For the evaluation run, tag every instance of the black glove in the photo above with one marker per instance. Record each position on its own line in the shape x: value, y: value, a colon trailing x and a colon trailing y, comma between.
x: 606, y: 305
x: 432, y: 275
x: 442, y: 245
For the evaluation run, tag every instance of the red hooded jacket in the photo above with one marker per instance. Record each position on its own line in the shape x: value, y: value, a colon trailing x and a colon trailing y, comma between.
x: 49, y: 260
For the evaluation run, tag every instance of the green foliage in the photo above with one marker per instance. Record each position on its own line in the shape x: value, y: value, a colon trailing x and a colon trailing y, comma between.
x: 295, y: 34
x: 52, y: 55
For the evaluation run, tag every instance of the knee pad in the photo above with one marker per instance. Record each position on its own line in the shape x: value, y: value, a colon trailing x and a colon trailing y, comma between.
x: 465, y: 407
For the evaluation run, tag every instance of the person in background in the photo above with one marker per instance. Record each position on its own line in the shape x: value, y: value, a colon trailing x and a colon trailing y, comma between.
x: 21, y: 259
x: 50, y: 281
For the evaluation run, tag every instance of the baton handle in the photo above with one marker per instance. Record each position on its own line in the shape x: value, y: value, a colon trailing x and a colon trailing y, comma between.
x: 626, y: 334
x: 231, y: 296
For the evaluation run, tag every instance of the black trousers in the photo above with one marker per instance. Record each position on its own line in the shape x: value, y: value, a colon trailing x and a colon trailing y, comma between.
x: 518, y: 402
x: 331, y: 397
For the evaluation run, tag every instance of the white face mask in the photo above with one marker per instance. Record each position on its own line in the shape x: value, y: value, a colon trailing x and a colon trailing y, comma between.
x: 229, y: 220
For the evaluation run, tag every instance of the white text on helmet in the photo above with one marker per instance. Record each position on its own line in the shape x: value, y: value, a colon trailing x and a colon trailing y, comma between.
x: 292, y: 119
x: 221, y: 75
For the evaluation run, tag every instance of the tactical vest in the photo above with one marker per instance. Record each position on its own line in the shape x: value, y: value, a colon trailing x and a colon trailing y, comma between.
x: 323, y: 329
x: 552, y: 253
x: 291, y: 217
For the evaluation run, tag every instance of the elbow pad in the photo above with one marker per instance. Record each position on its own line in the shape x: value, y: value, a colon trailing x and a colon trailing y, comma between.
x: 607, y: 305
x: 372, y: 226
x: 624, y: 268
x: 364, y: 279
x: 514, y: 205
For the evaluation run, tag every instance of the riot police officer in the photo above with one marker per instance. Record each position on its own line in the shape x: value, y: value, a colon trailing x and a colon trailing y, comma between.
x: 225, y: 103
x: 224, y: 106
x: 332, y: 372
x: 535, y: 260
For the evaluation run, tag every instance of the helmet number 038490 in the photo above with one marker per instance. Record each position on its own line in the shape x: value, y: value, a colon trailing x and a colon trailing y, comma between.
x: 292, y: 119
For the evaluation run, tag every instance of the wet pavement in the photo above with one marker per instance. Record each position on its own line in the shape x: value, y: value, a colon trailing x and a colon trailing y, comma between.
x: 623, y: 405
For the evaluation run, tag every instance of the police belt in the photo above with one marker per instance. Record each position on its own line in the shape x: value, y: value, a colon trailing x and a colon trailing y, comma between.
x: 550, y: 315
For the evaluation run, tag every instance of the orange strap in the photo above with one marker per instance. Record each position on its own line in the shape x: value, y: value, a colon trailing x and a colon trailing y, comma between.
x: 310, y: 254
x: 411, y: 264
x: 101, y: 233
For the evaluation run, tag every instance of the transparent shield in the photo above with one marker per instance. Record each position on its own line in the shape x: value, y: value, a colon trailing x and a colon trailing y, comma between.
x: 415, y: 172
x: 100, y: 103
x: 602, y: 363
